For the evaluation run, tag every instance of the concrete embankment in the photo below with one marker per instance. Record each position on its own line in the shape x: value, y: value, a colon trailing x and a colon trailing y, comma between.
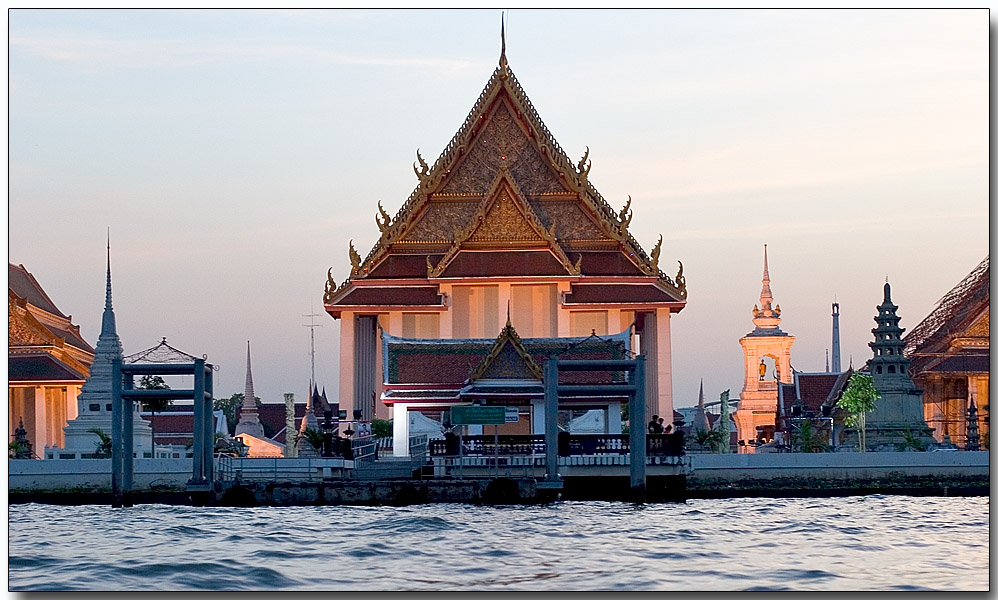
x: 713, y: 476
x: 839, y: 474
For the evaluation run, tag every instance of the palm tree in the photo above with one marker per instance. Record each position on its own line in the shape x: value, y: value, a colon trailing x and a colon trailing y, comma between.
x: 103, y: 445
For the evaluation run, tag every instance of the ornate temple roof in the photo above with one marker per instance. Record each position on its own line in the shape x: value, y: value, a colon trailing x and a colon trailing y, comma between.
x: 24, y: 289
x: 160, y: 353
x: 766, y: 317
x: 962, y: 312
x: 504, y: 199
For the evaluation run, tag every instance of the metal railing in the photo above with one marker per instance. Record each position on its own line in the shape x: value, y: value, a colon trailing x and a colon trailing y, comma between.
x: 658, y: 444
x: 230, y: 468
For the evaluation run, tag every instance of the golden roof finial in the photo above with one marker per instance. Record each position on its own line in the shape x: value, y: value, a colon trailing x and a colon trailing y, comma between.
x: 502, y: 56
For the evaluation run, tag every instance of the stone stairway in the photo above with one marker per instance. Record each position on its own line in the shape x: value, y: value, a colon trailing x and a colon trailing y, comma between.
x: 385, y: 468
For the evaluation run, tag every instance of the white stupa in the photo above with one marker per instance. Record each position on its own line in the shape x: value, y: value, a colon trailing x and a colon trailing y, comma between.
x: 95, y: 397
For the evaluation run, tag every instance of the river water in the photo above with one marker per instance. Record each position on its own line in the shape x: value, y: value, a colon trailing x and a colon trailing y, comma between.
x: 850, y: 543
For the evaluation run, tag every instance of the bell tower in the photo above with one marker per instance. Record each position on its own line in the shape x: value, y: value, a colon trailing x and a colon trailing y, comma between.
x: 767, y: 363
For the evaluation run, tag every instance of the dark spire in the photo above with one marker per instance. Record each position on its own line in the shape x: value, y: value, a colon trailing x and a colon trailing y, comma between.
x: 502, y: 32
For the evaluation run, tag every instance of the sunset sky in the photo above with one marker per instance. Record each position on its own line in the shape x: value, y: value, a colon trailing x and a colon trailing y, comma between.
x: 234, y: 154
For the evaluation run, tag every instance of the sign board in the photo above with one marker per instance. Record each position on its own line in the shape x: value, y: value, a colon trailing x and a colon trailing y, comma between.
x: 477, y: 415
x: 512, y: 414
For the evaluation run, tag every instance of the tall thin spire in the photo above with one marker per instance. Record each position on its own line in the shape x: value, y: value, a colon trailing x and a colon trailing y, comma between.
x: 764, y: 315
x: 502, y: 33
x: 700, y: 420
x: 107, y: 296
x: 249, y: 420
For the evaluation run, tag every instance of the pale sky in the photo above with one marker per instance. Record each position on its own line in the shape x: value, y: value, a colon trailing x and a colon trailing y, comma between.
x: 234, y: 154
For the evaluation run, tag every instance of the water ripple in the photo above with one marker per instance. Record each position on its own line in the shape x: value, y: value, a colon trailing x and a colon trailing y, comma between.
x: 850, y: 543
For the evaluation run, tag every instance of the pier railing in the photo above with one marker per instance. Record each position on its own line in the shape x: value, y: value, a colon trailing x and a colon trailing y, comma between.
x: 663, y: 444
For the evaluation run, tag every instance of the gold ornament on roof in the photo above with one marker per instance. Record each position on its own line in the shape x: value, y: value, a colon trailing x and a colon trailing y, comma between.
x: 330, y: 286
x: 422, y: 173
x: 385, y: 222
x: 584, y: 168
x: 625, y: 217
x: 655, y: 253
x: 681, y: 281
x: 354, y: 260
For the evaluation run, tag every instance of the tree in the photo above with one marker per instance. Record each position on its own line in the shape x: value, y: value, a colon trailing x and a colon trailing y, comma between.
x: 313, y: 437
x: 103, y: 445
x: 382, y: 428
x: 859, y: 398
x: 229, y: 405
x: 808, y: 439
x: 154, y: 405
x: 711, y: 440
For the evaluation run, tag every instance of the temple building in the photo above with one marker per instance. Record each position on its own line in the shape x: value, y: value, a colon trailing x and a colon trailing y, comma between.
x: 767, y: 364
x: 47, y: 362
x: 950, y: 358
x: 502, y: 223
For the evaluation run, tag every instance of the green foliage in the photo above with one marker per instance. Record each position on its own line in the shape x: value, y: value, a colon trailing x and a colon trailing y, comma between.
x: 711, y: 440
x: 16, y: 449
x: 860, y: 397
x: 103, y: 445
x: 382, y: 428
x: 808, y: 439
x: 314, y: 437
x: 154, y: 405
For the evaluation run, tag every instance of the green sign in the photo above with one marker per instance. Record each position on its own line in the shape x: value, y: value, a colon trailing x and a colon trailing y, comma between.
x: 477, y: 415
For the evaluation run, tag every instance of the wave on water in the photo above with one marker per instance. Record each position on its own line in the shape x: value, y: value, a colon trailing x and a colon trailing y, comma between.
x: 849, y: 543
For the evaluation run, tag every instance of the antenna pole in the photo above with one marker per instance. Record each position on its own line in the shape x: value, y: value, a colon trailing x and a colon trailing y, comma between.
x: 311, y: 326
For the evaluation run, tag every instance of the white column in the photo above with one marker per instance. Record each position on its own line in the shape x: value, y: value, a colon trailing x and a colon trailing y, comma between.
x: 613, y: 418
x: 537, y: 417
x: 72, y: 403
x: 613, y: 321
x: 41, y: 438
x: 395, y: 323
x: 663, y: 339
x: 400, y: 430
x: 346, y: 363
x: 649, y: 347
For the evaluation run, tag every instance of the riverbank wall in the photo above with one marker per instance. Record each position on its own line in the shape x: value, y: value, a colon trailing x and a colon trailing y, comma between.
x: 713, y: 476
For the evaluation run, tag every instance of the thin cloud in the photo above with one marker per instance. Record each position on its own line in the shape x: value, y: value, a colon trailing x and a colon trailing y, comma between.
x: 163, y: 53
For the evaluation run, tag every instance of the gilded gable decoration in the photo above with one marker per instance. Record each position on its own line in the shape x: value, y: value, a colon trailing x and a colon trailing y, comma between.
x: 422, y: 172
x: 354, y: 260
x: 503, y: 220
x: 507, y: 338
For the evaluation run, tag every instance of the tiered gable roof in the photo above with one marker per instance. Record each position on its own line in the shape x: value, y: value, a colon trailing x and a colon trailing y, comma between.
x: 437, y: 370
x: 42, y: 342
x: 504, y: 185
x: 955, y: 336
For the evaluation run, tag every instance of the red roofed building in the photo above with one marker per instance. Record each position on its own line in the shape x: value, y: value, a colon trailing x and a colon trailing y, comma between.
x: 47, y: 362
x: 950, y: 358
x: 503, y: 222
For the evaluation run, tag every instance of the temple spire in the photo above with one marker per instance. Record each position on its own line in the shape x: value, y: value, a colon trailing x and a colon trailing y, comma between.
x: 502, y: 33
x: 700, y: 421
x: 249, y: 420
x: 765, y: 315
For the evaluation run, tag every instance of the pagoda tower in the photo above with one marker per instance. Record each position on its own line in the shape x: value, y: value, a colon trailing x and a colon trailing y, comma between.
x: 502, y: 218
x: 758, y: 402
x: 898, y: 413
x: 249, y: 420
x: 95, y: 396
